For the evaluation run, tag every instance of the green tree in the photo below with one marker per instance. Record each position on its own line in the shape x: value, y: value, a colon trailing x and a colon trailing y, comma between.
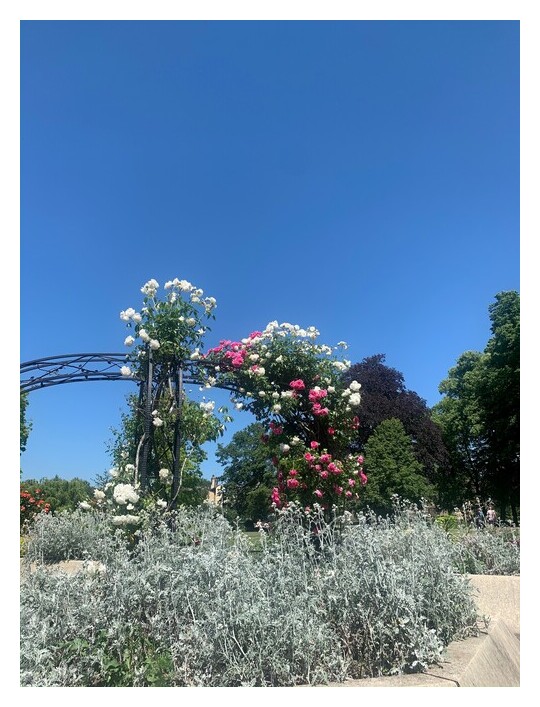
x: 247, y: 478
x: 385, y: 396
x: 479, y: 414
x: 392, y: 468
x: 25, y: 426
x: 499, y: 399
x: 460, y: 417
x: 61, y: 494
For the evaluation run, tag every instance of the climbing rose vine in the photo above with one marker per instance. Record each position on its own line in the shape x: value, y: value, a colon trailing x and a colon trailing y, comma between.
x: 295, y: 387
x: 169, y: 327
x: 282, y: 375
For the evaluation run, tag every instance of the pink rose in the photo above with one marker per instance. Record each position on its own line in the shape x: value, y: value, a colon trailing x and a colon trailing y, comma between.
x: 315, y: 395
x: 318, y: 493
x: 297, y: 384
x: 292, y: 483
x: 314, y: 445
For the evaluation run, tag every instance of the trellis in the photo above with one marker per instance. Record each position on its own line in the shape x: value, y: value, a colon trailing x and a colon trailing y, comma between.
x: 74, y: 368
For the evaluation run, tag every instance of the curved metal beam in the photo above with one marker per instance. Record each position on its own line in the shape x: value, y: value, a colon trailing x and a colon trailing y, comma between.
x: 81, y: 367
x: 71, y: 368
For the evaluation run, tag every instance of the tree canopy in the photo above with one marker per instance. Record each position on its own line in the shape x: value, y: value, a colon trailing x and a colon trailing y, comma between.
x: 393, y: 468
x: 384, y: 397
x: 247, y: 477
x: 479, y: 413
x: 61, y: 494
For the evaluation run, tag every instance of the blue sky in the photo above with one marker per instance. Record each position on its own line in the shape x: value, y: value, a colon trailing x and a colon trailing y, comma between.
x: 358, y: 176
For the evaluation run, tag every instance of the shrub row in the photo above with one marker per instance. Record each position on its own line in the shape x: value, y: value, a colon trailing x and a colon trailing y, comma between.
x: 191, y: 604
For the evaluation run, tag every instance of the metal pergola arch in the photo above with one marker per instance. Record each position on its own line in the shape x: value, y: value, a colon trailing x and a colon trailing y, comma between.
x: 74, y: 368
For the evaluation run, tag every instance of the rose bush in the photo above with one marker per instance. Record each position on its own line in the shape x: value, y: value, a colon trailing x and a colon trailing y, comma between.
x: 294, y: 385
x: 286, y: 379
x: 170, y: 331
x: 32, y: 503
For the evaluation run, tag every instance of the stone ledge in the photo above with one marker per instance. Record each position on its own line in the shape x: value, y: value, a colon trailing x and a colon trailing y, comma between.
x: 488, y: 660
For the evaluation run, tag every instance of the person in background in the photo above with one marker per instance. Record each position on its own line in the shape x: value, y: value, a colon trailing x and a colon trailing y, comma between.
x: 491, y: 516
x: 479, y: 518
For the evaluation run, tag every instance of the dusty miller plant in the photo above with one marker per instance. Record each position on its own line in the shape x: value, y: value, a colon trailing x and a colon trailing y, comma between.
x: 192, y: 604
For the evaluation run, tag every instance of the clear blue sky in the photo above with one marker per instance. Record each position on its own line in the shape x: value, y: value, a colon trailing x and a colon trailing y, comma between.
x: 358, y: 176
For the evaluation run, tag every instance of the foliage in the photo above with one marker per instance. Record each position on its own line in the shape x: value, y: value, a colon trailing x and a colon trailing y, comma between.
x: 460, y: 418
x: 198, y: 427
x: 479, y: 413
x: 500, y: 401
x: 393, y: 468
x: 77, y: 535
x: 193, y: 605
x: 294, y: 386
x: 385, y: 397
x: 172, y: 329
x: 247, y: 477
x: 32, y: 502
x: 488, y: 551
x: 447, y: 522
x: 25, y: 426
x: 164, y: 335
x: 60, y: 494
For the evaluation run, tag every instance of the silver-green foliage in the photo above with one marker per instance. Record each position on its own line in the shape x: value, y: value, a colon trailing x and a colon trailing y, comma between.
x: 488, y: 551
x: 193, y: 605
x: 76, y: 535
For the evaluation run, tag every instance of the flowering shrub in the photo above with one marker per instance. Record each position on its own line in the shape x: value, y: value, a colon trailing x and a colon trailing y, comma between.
x: 294, y: 386
x: 173, y: 328
x: 170, y: 331
x: 193, y: 605
x: 287, y: 380
x: 31, y: 504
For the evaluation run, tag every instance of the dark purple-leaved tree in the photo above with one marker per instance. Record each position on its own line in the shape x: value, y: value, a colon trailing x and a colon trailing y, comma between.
x: 384, y: 397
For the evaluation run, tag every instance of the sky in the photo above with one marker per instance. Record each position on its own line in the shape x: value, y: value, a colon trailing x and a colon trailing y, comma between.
x: 361, y: 176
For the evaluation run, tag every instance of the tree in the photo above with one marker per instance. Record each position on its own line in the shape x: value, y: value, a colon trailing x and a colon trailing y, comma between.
x: 499, y: 400
x: 247, y: 477
x: 392, y: 468
x: 61, y: 494
x: 459, y: 416
x: 25, y: 426
x: 479, y: 415
x: 384, y: 396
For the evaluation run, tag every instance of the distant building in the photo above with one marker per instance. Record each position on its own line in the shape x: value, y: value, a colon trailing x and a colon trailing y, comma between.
x: 215, y: 492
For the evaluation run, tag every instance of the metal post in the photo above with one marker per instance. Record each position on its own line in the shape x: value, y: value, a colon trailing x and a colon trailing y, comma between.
x: 147, y: 437
x: 177, y: 436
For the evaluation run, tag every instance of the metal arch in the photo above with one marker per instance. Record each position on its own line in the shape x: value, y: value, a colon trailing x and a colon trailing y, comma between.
x: 71, y: 368
x: 75, y: 368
